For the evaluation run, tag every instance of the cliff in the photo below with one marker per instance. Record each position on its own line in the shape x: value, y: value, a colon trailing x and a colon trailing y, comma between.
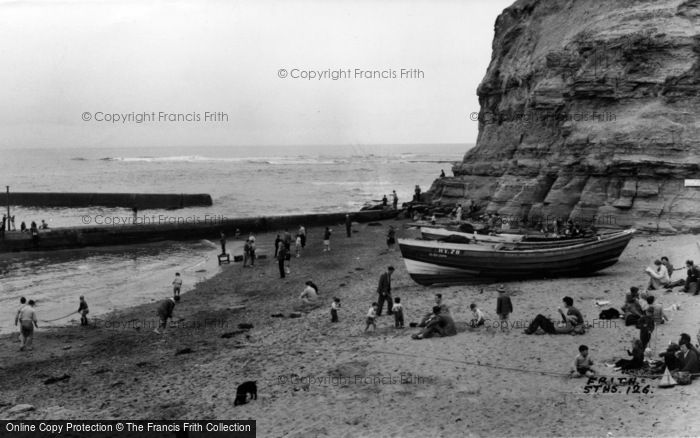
x: 589, y: 109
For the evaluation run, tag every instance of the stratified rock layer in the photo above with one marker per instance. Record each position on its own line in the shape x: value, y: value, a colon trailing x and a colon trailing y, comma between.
x: 589, y: 108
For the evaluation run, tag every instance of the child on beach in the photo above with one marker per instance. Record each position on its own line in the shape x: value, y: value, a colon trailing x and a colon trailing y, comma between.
x: 83, y: 310
x: 397, y: 310
x: 371, y: 316
x: 297, y: 245
x: 477, y: 316
x: 391, y: 238
x: 504, y: 307
x: 582, y: 364
x: 177, y: 284
x: 334, y: 309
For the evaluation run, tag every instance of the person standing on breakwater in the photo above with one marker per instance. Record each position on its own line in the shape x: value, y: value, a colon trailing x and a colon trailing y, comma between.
x: 83, y: 310
x: 348, y: 226
x: 385, y: 202
x: 442, y: 173
x: 165, y: 312
x: 177, y: 285
x: 327, y: 239
x: 395, y: 200
x: 27, y: 321
x: 384, y: 291
x: 281, y: 257
x: 35, y: 233
x: 222, y: 240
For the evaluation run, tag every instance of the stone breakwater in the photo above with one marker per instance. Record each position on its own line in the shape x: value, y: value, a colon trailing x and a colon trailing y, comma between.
x: 141, y: 201
x: 135, y: 234
x: 589, y: 108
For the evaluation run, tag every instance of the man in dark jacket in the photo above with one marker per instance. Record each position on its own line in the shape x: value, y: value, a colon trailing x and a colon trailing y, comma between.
x: 165, y: 311
x: 689, y: 359
x: 384, y: 291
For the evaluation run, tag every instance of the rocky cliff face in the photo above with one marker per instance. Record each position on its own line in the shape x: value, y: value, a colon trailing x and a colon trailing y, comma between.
x: 589, y: 108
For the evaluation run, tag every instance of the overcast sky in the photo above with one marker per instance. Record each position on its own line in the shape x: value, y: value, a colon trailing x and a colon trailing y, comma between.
x: 66, y: 61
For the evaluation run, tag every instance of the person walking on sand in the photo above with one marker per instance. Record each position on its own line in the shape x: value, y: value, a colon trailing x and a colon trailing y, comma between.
x: 384, y: 291
x: 281, y: 257
x: 371, y: 317
x: 27, y: 321
x: 165, y: 312
x: 177, y: 285
x: 22, y: 303
x: 504, y: 307
x: 83, y: 310
x: 348, y: 226
x: 327, y: 239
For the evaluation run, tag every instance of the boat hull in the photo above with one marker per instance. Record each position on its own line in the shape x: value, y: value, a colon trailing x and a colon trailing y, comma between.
x: 431, y: 262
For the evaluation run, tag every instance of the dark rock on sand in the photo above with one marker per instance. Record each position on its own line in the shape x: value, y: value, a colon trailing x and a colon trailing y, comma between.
x: 51, y: 380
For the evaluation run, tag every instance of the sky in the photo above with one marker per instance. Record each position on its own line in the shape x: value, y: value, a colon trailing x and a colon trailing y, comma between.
x: 146, y: 73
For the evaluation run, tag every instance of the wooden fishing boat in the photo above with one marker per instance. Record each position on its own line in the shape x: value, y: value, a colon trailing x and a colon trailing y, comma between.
x: 431, y: 261
x: 512, y: 241
x: 442, y: 233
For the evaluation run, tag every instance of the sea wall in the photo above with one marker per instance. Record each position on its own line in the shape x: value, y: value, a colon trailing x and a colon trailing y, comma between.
x: 589, y: 109
x: 142, y: 201
x: 78, y: 237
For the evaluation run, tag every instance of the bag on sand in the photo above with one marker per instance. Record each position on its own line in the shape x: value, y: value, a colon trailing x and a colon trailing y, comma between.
x: 609, y: 314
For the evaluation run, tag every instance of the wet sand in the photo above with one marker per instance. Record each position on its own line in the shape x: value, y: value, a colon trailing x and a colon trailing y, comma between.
x: 321, y: 379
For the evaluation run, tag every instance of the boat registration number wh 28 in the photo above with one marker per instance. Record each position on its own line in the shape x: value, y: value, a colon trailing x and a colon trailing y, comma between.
x: 444, y: 252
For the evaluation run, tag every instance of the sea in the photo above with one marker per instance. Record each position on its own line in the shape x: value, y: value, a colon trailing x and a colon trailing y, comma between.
x: 243, y: 182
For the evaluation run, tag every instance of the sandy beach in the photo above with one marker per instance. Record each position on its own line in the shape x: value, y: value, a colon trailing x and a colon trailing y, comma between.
x: 316, y: 378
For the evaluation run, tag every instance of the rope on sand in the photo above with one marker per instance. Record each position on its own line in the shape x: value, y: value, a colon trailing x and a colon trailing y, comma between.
x: 52, y: 320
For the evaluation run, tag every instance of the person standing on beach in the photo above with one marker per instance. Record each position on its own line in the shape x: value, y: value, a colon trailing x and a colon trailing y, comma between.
x: 297, y: 245
x: 177, y: 285
x: 251, y: 250
x: 348, y: 226
x: 246, y: 253
x: 83, y: 310
x: 165, y: 312
x: 22, y: 303
x: 27, y: 321
x: 371, y: 317
x: 281, y: 257
x: 397, y: 309
x: 335, y: 306
x: 384, y: 291
x: 278, y: 240
x: 504, y: 307
x: 222, y: 240
x: 302, y: 233
x: 458, y: 213
x: 12, y: 222
x: 327, y: 239
x: 395, y: 200
x: 391, y: 238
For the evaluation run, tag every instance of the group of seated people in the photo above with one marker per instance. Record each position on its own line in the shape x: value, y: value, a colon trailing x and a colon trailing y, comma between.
x: 660, y: 276
x: 636, y: 307
x: 437, y: 323
x: 681, y: 358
